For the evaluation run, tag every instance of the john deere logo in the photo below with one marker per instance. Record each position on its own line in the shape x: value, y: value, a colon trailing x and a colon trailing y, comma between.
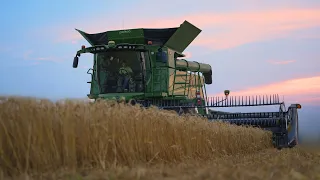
x: 124, y: 31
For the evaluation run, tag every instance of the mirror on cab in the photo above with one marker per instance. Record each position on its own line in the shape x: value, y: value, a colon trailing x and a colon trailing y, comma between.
x: 75, y: 62
x: 161, y: 56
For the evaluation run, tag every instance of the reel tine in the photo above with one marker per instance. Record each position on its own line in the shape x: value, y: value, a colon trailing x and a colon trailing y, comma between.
x: 270, y: 99
x: 232, y: 102
x: 252, y: 100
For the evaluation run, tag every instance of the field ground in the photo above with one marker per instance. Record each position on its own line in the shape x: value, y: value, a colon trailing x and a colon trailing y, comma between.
x: 79, y: 140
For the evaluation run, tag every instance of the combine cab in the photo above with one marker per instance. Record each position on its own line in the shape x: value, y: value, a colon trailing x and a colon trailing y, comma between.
x: 146, y: 66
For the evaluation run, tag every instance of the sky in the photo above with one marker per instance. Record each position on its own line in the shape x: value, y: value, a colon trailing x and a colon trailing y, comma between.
x: 255, y: 47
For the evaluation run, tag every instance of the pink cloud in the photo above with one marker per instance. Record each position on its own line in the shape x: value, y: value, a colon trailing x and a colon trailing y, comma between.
x: 221, y: 30
x: 247, y: 27
x: 281, y: 62
x: 301, y: 90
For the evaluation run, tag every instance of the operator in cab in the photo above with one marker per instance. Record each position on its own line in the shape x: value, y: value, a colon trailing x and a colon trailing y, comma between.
x: 126, y: 72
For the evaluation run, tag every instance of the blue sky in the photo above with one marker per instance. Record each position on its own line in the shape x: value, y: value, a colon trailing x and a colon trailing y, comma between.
x: 253, y: 46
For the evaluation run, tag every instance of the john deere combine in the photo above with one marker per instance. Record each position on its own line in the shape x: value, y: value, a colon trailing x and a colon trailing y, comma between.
x: 146, y: 66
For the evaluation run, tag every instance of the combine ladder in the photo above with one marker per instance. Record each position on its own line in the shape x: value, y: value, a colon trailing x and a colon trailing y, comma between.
x: 185, y: 84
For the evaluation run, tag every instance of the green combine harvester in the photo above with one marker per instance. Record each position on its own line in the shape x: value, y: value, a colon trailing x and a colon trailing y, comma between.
x: 147, y: 66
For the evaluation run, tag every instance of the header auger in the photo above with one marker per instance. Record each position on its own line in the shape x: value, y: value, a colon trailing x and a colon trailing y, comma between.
x: 146, y: 66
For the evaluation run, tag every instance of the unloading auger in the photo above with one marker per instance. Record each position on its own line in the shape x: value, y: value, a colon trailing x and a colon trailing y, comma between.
x: 147, y: 66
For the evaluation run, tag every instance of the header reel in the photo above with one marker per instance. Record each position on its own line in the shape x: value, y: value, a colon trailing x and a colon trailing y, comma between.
x: 282, y: 123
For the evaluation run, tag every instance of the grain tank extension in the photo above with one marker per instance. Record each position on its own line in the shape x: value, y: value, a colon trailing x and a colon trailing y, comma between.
x: 147, y: 66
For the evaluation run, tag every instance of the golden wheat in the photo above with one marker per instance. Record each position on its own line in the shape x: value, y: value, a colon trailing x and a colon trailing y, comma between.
x: 42, y: 135
x: 38, y: 136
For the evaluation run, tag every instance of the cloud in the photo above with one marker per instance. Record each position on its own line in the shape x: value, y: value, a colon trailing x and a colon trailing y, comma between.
x: 220, y: 30
x: 84, y: 67
x: 4, y: 49
x: 301, y: 90
x: 27, y: 55
x: 247, y: 27
x: 43, y: 58
x: 281, y: 62
x: 35, y: 63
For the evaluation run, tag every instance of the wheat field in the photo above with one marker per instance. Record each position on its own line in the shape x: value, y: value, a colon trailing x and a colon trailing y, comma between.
x: 71, y: 139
